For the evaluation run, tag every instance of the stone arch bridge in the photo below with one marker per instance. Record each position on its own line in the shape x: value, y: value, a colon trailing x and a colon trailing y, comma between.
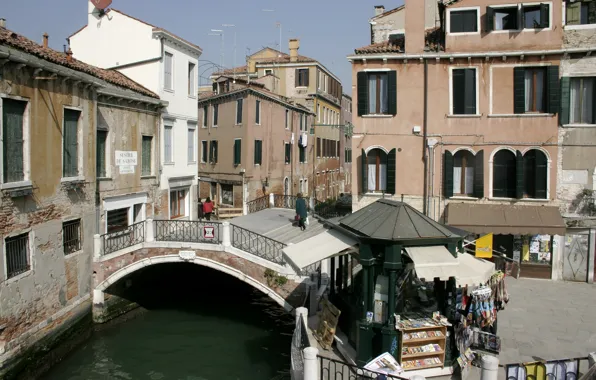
x: 246, y: 248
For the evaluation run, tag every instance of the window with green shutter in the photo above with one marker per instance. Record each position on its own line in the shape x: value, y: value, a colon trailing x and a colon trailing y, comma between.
x: 13, y: 115
x: 146, y: 154
x: 70, y: 144
x: 535, y: 174
x: 237, y: 151
x: 258, y: 112
x: 391, y: 178
x: 479, y: 174
x: 102, y: 138
x: 258, y: 152
x: 501, y: 18
x: 504, y: 174
x: 579, y: 97
x: 536, y: 89
x: 204, y: 151
x: 213, y: 152
x: 463, y: 21
x: 580, y: 12
x: 464, y: 91
x: 377, y: 93
x: 239, y: 104
x: 535, y: 16
x: 288, y: 152
x: 302, y: 152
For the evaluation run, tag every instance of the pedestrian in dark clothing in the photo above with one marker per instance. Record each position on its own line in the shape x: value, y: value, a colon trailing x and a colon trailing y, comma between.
x: 301, y: 211
x: 201, y: 212
x: 208, y: 208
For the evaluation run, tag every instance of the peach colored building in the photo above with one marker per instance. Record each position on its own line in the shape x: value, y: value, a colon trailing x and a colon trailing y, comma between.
x: 461, y: 121
x: 252, y: 142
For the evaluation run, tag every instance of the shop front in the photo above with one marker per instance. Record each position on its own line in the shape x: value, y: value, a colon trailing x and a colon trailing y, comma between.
x: 401, y: 280
x: 526, y: 234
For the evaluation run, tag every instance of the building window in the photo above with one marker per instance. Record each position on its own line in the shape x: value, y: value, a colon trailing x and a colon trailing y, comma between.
x: 288, y: 153
x: 580, y: 12
x: 535, y: 16
x: 318, y: 147
x: 215, y: 114
x: 581, y: 98
x: 205, y: 115
x: 117, y: 220
x: 302, y: 153
x: 504, y: 174
x: 502, y: 18
x: 463, y: 21
x: 227, y: 194
x: 318, y: 113
x: 287, y: 119
x: 204, y: 151
x: 463, y: 173
x: 177, y: 204
x: 102, y: 139
x: 258, y: 112
x: 237, y: 152
x: 305, y: 184
x: 302, y: 122
x: 301, y: 77
x: 213, y: 152
x: 191, y: 145
x: 268, y: 72
x: 17, y: 255
x: 71, y: 236
x: 463, y: 91
x: 258, y: 152
x: 535, y: 174
x: 377, y: 93
x: 239, y: 103
x: 70, y: 143
x: 168, y: 153
x: 376, y: 171
x: 536, y: 89
x: 168, y: 71
x: 13, y: 140
x: 146, y: 154
x: 337, y: 149
x: 191, y: 79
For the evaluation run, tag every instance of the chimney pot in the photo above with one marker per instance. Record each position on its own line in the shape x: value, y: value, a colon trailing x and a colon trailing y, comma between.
x: 379, y: 9
x: 69, y: 55
x: 2, y: 22
x: 45, y: 40
x: 294, y: 46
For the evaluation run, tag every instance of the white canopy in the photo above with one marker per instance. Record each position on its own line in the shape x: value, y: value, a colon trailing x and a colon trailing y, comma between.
x: 473, y: 271
x: 323, y: 246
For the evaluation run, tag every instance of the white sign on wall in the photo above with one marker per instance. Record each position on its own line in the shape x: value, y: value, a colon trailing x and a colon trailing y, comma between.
x: 126, y: 161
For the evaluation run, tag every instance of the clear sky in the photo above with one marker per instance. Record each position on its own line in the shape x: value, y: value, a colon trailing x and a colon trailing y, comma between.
x: 328, y: 30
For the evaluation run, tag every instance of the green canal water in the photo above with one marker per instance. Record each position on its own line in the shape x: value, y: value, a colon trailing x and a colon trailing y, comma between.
x: 199, y: 324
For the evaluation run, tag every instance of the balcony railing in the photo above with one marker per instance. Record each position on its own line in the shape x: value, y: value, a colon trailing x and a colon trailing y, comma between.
x: 258, y: 204
x: 189, y: 231
x: 258, y: 245
x: 131, y: 235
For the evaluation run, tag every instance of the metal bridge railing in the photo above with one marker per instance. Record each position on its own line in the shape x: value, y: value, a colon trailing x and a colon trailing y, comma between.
x: 258, y: 204
x: 561, y: 369
x: 258, y: 245
x: 189, y: 231
x: 331, y: 369
x: 127, y: 237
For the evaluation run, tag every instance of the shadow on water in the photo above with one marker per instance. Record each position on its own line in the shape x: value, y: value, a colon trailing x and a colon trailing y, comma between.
x: 198, y: 324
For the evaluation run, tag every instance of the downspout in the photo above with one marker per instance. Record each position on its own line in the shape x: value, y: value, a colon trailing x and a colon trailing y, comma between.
x: 424, y: 138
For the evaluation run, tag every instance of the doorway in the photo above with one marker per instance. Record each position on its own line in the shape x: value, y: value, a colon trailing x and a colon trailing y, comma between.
x: 576, y: 256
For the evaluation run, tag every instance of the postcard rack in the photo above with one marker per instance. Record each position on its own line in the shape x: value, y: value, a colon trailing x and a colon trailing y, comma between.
x: 422, y: 347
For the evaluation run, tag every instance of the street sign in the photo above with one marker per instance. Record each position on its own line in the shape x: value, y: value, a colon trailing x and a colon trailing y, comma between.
x: 209, y: 232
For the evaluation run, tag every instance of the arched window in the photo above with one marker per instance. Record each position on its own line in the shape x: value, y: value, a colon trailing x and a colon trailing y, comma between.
x: 463, y: 173
x: 535, y: 172
x: 504, y: 174
x: 376, y: 161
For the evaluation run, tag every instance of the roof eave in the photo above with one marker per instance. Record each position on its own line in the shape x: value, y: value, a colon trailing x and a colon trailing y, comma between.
x: 165, y: 34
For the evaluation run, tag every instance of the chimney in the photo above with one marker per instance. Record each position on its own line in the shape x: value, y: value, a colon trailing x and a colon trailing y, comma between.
x: 414, y: 39
x: 2, y: 23
x: 379, y: 9
x: 45, y: 40
x: 69, y: 55
x: 294, y: 46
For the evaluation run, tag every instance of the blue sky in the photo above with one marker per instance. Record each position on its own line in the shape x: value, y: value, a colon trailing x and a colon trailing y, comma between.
x: 329, y: 30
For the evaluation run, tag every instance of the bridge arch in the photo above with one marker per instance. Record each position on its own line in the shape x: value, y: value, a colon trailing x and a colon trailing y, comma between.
x: 123, y: 272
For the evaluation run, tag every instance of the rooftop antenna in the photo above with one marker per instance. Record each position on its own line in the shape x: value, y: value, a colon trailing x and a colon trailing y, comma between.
x: 100, y: 6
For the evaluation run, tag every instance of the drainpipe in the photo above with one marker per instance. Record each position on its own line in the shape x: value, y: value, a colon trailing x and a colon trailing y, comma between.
x: 431, y: 152
x: 425, y: 136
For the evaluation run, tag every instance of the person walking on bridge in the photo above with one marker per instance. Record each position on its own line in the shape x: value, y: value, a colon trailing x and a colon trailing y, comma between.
x: 301, y: 211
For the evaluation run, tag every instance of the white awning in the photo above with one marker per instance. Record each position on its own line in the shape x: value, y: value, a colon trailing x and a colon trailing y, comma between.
x: 433, y: 262
x: 473, y: 271
x: 323, y: 246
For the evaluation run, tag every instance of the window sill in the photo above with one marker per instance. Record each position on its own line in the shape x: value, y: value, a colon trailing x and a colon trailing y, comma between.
x: 238, y: 125
x: 73, y: 254
x: 463, y: 33
x: 72, y: 179
x: 463, y: 198
x: 203, y: 127
x: 104, y: 179
x: 465, y: 116
x: 148, y: 177
x: 19, y: 277
x: 192, y: 97
x: 578, y: 125
x: 169, y: 163
x: 192, y: 162
x: 379, y: 116
x: 168, y: 90
x: 377, y: 194
x: 523, y: 115
x: 17, y: 185
x: 537, y: 200
x: 579, y: 27
x: 215, y: 126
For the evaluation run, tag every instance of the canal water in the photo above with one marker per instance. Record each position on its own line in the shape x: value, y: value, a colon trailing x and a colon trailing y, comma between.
x: 199, y: 324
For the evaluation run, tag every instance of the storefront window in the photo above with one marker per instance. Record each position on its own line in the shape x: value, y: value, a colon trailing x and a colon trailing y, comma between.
x: 535, y: 249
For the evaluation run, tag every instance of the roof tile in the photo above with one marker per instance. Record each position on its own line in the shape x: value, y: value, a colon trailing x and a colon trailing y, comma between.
x: 433, y: 42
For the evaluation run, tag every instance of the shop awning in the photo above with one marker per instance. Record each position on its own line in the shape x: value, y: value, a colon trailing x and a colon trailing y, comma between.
x: 320, y: 247
x: 473, y: 271
x: 433, y: 262
x: 506, y: 219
